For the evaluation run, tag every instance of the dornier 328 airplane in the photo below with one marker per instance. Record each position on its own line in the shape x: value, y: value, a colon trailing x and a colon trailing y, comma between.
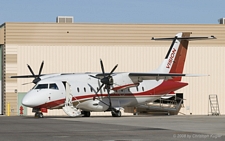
x: 79, y: 94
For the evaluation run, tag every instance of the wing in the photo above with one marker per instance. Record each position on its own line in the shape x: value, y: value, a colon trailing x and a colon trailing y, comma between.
x: 25, y: 76
x: 126, y: 80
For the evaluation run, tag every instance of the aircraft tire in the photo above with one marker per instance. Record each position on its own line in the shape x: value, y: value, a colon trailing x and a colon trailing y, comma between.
x: 38, y: 115
x: 41, y: 115
x: 86, y: 113
x: 116, y: 114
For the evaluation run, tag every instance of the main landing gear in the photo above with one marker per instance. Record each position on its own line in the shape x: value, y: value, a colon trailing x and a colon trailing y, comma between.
x: 38, y: 115
x: 86, y: 113
x: 116, y: 113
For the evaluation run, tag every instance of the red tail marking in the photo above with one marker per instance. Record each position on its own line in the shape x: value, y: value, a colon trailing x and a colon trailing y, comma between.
x: 179, y: 61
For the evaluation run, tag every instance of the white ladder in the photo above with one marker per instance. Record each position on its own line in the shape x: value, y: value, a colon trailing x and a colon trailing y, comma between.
x: 69, y: 109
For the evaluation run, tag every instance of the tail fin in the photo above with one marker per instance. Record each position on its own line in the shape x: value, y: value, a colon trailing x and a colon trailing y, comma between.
x: 176, y: 55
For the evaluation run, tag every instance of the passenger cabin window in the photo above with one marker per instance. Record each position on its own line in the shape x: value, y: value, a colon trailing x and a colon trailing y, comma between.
x: 53, y: 86
x: 42, y: 86
x: 137, y: 88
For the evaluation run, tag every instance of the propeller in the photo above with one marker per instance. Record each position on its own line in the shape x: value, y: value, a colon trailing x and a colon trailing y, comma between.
x: 106, y: 81
x: 36, y: 77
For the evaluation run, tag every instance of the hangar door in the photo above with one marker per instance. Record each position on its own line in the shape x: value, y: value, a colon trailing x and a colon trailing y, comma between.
x: 1, y: 95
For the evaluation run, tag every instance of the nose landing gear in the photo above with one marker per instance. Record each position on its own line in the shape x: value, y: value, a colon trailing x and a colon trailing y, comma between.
x: 38, y: 115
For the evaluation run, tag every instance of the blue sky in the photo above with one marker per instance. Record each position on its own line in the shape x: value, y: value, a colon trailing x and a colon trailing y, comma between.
x: 114, y: 11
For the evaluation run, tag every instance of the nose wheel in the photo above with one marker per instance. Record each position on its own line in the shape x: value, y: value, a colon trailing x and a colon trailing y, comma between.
x: 38, y: 115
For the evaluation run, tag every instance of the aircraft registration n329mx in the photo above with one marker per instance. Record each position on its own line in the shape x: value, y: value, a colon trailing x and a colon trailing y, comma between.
x: 79, y: 94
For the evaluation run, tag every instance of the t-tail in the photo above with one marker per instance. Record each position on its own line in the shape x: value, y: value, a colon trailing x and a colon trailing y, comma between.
x: 176, y: 55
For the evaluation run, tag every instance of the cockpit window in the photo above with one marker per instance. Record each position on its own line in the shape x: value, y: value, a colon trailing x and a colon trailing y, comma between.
x: 42, y: 86
x: 53, y: 86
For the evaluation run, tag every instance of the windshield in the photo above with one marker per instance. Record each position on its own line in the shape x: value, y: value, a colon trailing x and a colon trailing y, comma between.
x: 52, y: 86
x: 42, y: 86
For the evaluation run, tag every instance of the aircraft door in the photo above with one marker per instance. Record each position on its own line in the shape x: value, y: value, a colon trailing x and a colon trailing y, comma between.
x: 56, y: 91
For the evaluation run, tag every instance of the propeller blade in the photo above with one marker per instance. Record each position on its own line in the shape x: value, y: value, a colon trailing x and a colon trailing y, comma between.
x: 40, y: 70
x: 92, y: 89
x: 27, y: 83
x: 110, y: 103
x: 94, y: 76
x: 102, y: 67
x: 113, y: 70
x: 24, y: 76
x: 97, y: 95
x: 100, y: 88
x: 30, y: 70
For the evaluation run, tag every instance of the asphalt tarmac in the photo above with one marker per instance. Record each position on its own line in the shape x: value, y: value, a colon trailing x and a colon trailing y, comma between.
x: 107, y: 128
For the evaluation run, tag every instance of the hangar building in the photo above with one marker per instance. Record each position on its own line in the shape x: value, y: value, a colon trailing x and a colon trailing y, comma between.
x: 67, y: 47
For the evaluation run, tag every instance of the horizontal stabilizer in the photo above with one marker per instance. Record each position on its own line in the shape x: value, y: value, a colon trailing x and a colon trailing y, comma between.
x: 185, y: 38
x: 196, y: 75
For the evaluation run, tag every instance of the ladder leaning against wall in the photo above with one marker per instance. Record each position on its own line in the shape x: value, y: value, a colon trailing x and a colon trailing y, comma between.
x: 213, y: 107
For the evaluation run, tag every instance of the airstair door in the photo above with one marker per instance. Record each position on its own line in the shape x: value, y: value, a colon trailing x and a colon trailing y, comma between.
x: 69, y: 109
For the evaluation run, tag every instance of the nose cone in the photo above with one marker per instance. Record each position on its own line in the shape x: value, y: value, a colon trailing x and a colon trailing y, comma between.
x: 31, y: 100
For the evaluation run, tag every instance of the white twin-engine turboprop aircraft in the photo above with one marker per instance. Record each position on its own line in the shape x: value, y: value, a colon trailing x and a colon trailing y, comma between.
x: 79, y: 94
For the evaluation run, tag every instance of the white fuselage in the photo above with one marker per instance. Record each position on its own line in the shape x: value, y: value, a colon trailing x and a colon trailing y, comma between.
x: 83, y: 88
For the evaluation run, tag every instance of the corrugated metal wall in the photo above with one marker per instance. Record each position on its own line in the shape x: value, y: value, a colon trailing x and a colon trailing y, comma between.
x: 78, y: 48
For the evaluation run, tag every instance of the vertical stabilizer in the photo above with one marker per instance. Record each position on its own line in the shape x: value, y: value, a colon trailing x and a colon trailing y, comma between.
x: 176, y: 55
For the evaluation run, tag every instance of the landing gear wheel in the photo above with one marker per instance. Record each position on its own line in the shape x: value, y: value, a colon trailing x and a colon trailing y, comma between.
x: 86, y: 113
x: 41, y: 115
x: 116, y: 113
x: 38, y: 115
